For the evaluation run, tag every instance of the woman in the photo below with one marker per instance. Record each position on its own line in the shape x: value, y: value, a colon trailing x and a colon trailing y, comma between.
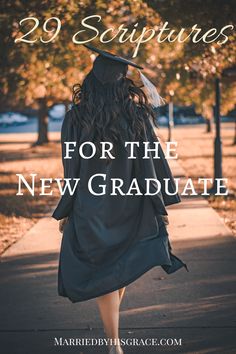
x: 110, y: 239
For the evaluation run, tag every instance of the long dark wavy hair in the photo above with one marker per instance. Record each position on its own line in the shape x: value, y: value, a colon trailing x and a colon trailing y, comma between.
x: 100, y: 107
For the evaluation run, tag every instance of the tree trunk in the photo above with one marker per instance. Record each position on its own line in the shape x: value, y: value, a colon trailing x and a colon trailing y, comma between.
x: 234, y: 142
x: 208, y: 126
x: 42, y: 122
x: 170, y: 120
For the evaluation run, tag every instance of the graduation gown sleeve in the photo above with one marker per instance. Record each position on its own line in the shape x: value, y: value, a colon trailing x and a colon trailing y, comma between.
x: 162, y: 169
x: 71, y: 133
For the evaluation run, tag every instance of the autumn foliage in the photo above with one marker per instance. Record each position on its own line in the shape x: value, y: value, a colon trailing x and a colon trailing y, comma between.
x: 42, y: 73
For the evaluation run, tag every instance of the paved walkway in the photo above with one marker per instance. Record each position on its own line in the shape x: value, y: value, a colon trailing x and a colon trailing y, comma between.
x: 198, y: 307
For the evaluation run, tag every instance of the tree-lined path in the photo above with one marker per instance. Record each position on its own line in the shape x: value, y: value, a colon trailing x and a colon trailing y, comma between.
x: 198, y: 306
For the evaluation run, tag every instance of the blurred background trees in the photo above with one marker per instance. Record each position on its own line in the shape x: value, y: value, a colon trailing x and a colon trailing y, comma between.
x: 40, y: 75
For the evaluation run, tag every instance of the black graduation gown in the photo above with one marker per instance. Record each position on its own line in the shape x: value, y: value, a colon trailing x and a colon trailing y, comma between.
x: 109, y: 241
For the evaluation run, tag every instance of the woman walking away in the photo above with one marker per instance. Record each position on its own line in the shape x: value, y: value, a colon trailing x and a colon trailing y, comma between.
x: 110, y: 239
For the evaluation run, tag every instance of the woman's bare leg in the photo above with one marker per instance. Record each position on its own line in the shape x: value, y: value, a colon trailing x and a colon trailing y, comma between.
x: 121, y: 293
x: 108, y: 305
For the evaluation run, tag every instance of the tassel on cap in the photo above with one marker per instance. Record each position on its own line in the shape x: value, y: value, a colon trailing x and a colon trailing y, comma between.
x: 152, y: 94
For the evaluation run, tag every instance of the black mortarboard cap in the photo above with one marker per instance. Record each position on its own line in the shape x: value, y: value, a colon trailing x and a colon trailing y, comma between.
x: 108, y: 67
